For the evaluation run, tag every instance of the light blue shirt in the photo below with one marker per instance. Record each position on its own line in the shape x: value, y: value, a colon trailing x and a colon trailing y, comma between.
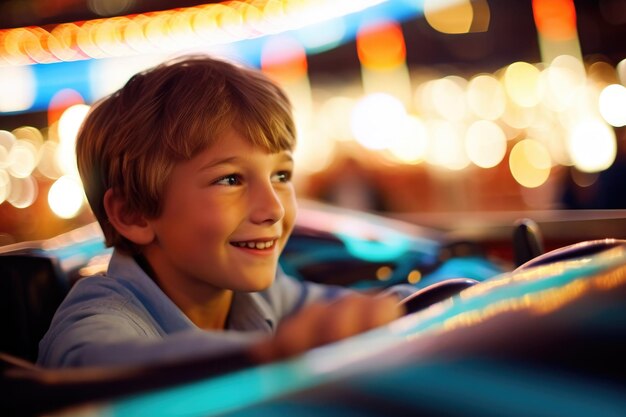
x: 123, y: 318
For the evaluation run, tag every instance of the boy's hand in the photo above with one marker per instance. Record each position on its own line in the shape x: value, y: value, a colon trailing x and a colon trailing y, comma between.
x: 324, y: 323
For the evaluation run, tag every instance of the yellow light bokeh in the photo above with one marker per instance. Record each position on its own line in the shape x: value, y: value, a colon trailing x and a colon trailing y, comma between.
x: 612, y: 105
x: 592, y: 145
x: 48, y: 163
x: 521, y: 82
x: 22, y: 159
x: 384, y: 273
x: 449, y: 16
x: 410, y: 146
x: 561, y: 82
x: 68, y: 127
x: 314, y: 151
x: 375, y: 118
x: 621, y: 71
x: 448, y: 97
x: 414, y: 277
x: 446, y: 148
x: 23, y: 192
x: 17, y: 88
x: 65, y: 197
x: 335, y: 117
x: 530, y: 163
x: 486, y: 97
x: 70, y: 121
x: 485, y: 144
x: 7, y: 139
x: 5, y: 185
x: 518, y: 117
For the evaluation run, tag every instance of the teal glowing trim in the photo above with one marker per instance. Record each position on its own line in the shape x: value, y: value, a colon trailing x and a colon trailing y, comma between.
x: 393, y: 246
x: 218, y: 395
x: 472, y: 267
x: 510, y: 290
x: 83, y: 250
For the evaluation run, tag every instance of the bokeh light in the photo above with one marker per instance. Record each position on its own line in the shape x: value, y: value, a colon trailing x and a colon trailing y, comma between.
x: 519, y: 117
x: 411, y: 144
x: 530, y: 163
x: 448, y: 97
x: 561, y: 82
x: 314, y: 151
x: 485, y: 144
x: 621, y: 71
x: 7, y: 139
x: 109, y: 7
x: 612, y: 105
x: 521, y: 82
x: 449, y: 17
x: 60, y: 101
x: 5, y: 185
x: 68, y: 127
x: 486, y: 97
x: 17, y: 88
x: 22, y: 159
x: 446, y: 148
x: 335, y: 117
x: 284, y: 59
x: 23, y: 192
x: 66, y: 197
x: 380, y: 45
x: 555, y: 19
x: 592, y: 145
x: 48, y: 163
x: 375, y: 119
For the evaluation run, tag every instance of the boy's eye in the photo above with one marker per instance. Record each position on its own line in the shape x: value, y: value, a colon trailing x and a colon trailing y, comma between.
x: 282, y: 176
x: 230, y: 180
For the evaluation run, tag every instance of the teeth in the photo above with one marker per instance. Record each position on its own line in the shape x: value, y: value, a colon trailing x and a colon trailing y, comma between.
x: 255, y: 245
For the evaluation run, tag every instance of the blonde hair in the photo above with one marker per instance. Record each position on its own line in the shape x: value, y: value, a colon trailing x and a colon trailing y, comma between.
x: 131, y: 140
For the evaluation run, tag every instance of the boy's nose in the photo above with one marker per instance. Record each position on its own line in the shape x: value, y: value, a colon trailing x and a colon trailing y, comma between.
x: 266, y: 205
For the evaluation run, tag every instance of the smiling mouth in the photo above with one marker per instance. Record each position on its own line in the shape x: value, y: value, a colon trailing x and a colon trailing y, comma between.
x: 259, y: 245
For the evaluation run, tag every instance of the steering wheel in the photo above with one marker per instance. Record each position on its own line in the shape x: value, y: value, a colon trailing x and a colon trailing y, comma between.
x: 435, y: 293
x: 528, y: 253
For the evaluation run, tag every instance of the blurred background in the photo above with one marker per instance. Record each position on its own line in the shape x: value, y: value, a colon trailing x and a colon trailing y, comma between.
x: 431, y: 110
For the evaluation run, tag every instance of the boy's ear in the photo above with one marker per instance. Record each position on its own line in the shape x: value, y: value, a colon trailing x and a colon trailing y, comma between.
x: 132, y: 226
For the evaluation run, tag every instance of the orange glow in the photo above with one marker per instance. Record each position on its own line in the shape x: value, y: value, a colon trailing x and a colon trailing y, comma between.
x: 284, y: 59
x: 555, y: 19
x: 62, y: 42
x: 169, y: 30
x: 61, y: 101
x: 381, y: 46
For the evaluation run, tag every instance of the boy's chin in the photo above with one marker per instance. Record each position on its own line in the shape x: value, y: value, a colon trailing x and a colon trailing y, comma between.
x: 254, y: 285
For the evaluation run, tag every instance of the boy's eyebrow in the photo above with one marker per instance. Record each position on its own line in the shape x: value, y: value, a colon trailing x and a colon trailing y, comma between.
x: 232, y: 159
x: 217, y: 162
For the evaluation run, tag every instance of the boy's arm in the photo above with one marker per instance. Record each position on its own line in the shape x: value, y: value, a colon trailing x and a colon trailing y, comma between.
x: 114, y: 339
x: 293, y: 294
x: 326, y: 322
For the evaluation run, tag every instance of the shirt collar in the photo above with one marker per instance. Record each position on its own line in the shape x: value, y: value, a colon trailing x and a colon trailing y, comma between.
x: 249, y: 311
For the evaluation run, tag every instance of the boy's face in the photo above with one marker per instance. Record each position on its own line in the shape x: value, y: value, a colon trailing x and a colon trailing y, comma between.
x: 227, y: 215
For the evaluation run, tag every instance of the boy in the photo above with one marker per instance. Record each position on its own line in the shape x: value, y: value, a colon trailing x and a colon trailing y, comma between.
x: 187, y: 169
